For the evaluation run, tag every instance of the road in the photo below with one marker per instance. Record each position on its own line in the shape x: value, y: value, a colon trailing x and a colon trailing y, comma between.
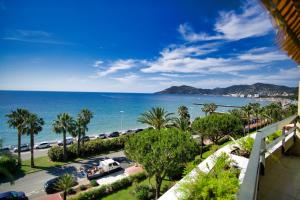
x: 32, y: 184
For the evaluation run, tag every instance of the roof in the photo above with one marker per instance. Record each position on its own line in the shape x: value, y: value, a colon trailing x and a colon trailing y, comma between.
x: 286, y: 15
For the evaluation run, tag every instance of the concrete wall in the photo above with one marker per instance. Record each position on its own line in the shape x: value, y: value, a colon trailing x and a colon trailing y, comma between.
x: 296, y: 148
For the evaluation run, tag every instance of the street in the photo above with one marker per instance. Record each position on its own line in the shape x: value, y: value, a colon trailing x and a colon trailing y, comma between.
x: 32, y: 184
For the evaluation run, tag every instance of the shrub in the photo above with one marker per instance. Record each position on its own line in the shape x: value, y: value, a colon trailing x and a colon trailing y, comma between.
x: 246, y: 144
x: 273, y: 136
x: 94, y: 183
x: 93, y: 147
x: 220, y: 183
x: 138, y: 177
x: 144, y: 192
x: 82, y: 187
x: 8, y: 162
x: 101, y: 191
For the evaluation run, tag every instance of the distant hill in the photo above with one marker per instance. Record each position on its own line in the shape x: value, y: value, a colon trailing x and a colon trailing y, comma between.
x: 262, y: 89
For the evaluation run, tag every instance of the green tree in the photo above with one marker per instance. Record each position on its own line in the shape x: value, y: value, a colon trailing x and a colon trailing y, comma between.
x: 62, y: 125
x: 274, y: 111
x: 65, y: 183
x: 157, y: 117
x: 290, y: 110
x: 81, y: 126
x: 256, y: 112
x: 182, y: 124
x: 205, y: 108
x: 212, y: 108
x: 183, y: 112
x: 34, y: 125
x: 160, y: 151
x: 247, y: 109
x: 217, y: 126
x: 17, y: 120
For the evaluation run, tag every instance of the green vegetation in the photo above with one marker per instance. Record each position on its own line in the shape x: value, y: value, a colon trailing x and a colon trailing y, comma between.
x: 90, y: 148
x: 41, y: 163
x: 17, y: 120
x: 34, y: 125
x: 8, y: 165
x: 65, y: 184
x: 273, y: 136
x: 160, y: 152
x: 216, y: 126
x: 157, y: 118
x: 104, y: 190
x: 62, y: 125
x: 209, y: 108
x: 83, y: 119
x: 220, y: 183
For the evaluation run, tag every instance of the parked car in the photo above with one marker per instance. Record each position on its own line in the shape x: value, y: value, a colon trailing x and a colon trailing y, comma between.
x: 24, y: 147
x: 50, y: 186
x: 138, y: 130
x: 85, y: 138
x: 114, y: 134
x: 102, y: 136
x: 42, y: 145
x: 69, y: 140
x: 4, y: 150
x: 13, y: 195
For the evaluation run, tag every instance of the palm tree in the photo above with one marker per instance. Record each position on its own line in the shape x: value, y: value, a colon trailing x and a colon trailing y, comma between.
x: 65, y: 183
x: 182, y: 124
x: 17, y: 120
x: 183, y: 112
x: 247, y: 109
x: 83, y: 119
x: 156, y: 117
x: 34, y: 125
x: 255, y: 111
x: 205, y: 108
x: 212, y: 108
x: 64, y: 124
x: 274, y: 110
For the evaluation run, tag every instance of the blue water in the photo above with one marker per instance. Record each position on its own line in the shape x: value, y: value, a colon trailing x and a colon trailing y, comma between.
x: 105, y: 106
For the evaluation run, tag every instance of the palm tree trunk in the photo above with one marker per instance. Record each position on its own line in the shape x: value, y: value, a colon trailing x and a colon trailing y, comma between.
x: 65, y: 146
x: 65, y: 195
x: 19, y: 148
x: 78, y: 144
x: 201, y: 153
x: 31, y: 149
x: 83, y: 134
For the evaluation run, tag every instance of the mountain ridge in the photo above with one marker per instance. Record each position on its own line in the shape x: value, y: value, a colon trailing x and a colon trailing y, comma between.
x: 260, y: 89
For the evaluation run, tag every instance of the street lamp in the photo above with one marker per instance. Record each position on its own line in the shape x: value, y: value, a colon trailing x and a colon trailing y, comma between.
x: 121, y: 119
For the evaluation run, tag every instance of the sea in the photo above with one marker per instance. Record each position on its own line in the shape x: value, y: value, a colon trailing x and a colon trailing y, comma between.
x: 112, y: 111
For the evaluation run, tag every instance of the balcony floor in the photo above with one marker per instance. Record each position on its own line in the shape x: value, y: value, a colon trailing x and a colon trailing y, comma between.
x: 282, y: 181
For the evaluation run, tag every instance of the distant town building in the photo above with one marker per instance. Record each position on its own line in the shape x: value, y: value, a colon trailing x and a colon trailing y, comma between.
x: 256, y: 95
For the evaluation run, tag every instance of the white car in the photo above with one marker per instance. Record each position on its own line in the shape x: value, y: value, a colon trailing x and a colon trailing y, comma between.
x: 69, y: 140
x: 42, y: 145
x: 24, y: 147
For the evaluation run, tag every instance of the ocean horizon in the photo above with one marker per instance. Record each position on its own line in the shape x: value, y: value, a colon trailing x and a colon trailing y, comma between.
x: 112, y: 111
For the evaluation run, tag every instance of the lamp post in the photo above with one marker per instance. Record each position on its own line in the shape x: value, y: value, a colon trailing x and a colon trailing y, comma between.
x: 121, y: 119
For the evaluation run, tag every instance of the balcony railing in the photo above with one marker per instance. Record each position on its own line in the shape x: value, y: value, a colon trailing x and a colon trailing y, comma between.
x: 256, y: 165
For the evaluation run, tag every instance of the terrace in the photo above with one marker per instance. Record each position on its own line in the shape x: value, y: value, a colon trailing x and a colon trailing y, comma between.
x: 272, y: 171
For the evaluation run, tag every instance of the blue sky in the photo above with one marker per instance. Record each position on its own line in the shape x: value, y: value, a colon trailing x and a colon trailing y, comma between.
x: 138, y: 46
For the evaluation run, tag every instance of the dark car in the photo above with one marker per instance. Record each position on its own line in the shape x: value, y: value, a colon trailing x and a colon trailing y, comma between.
x: 102, y: 135
x: 13, y: 195
x: 50, y: 186
x: 5, y: 150
x: 85, y: 138
x: 114, y: 134
x: 138, y: 130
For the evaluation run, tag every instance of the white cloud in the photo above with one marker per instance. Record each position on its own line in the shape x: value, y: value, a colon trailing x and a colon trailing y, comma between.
x: 252, y: 21
x: 128, y: 78
x: 97, y: 63
x: 263, y: 55
x: 120, y: 65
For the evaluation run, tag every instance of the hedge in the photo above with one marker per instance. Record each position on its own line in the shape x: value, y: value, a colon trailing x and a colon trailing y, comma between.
x: 104, y: 190
x: 90, y: 148
x: 8, y: 162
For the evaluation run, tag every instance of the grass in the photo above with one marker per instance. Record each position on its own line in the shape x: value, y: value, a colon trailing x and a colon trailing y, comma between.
x: 41, y: 163
x: 128, y: 192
